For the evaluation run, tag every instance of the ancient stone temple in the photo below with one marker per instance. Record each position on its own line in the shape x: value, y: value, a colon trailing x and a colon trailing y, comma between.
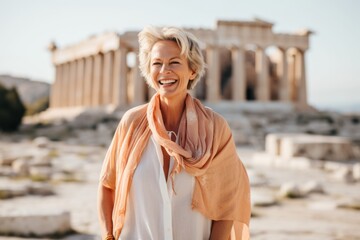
x: 103, y: 70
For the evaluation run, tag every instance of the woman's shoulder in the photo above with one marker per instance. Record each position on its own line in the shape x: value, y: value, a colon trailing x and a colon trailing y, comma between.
x: 134, y: 114
x: 217, y: 118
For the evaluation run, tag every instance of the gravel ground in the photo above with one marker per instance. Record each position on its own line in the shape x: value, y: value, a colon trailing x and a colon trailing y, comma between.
x: 312, y: 217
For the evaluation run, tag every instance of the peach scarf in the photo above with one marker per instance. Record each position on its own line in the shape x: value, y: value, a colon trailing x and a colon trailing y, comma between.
x: 206, y: 151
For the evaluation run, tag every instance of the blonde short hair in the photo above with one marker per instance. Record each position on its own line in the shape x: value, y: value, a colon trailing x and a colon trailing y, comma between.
x: 186, y: 41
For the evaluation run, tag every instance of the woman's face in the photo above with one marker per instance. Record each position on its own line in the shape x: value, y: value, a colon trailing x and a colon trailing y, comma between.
x: 170, y: 72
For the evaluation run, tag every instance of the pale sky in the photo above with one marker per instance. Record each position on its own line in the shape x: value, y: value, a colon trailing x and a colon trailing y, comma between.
x: 333, y: 60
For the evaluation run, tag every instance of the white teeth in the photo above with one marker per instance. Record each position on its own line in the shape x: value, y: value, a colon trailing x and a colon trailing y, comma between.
x: 162, y: 82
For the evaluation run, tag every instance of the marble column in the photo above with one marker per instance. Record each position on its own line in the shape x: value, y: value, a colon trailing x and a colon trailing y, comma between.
x: 238, y: 74
x: 66, y: 86
x: 97, y: 80
x: 107, y: 83
x: 120, y: 77
x: 213, y: 76
x: 88, y: 81
x: 282, y: 72
x: 72, y: 84
x: 139, y: 84
x: 291, y: 75
x: 80, y: 82
x: 262, y: 76
x: 300, y: 78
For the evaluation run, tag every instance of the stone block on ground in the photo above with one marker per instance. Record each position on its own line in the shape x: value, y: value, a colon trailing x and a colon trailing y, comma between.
x: 40, y: 173
x: 21, y: 167
x: 6, y: 171
x: 240, y: 137
x: 56, y: 133
x: 13, y: 191
x: 299, y: 163
x: 290, y: 190
x: 6, y: 160
x: 312, y: 187
x: 356, y: 172
x: 263, y: 159
x: 41, y: 189
x: 316, y: 147
x: 328, y: 205
x: 273, y: 142
x: 353, y: 204
x: 319, y: 127
x: 41, y: 142
x: 261, y: 198
x: 88, y: 118
x: 255, y: 178
x: 32, y: 224
x: 344, y: 174
x: 41, y: 159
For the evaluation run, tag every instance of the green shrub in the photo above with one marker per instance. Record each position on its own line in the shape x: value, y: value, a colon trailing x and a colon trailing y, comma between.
x: 11, y: 109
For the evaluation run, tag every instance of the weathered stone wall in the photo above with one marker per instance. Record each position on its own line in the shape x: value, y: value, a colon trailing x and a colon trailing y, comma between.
x: 250, y: 123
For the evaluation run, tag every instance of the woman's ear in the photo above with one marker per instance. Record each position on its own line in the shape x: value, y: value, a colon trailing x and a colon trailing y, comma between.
x: 193, y: 75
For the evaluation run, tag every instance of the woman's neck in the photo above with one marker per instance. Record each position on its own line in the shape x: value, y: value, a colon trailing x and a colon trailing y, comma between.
x: 171, y: 110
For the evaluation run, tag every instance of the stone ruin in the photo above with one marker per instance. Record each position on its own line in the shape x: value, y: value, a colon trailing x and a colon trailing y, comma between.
x: 103, y: 70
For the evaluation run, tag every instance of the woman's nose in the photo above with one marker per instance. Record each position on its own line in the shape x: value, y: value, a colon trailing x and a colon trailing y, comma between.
x: 164, y: 68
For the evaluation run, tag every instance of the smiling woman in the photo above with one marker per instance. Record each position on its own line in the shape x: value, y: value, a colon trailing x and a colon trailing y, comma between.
x: 169, y: 70
x: 172, y: 171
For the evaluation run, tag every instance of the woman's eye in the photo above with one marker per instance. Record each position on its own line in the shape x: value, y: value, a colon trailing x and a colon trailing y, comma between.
x: 156, y: 63
x: 175, y: 62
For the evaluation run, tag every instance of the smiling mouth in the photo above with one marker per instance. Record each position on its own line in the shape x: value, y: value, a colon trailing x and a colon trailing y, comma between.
x: 167, y: 82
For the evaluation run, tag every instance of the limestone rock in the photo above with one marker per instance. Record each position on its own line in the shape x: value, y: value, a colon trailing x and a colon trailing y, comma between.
x: 350, y: 204
x: 6, y: 171
x: 21, y: 167
x: 319, y: 127
x: 88, y: 118
x: 263, y: 159
x: 322, y: 205
x: 290, y: 190
x: 344, y: 174
x: 13, y: 191
x: 332, y: 166
x: 56, y: 133
x: 255, y: 178
x: 6, y: 160
x: 240, y: 137
x: 316, y: 147
x: 272, y: 144
x: 67, y: 177
x: 42, y: 189
x: 312, y: 187
x: 356, y: 172
x: 40, y: 173
x: 35, y: 224
x: 262, y: 199
x: 356, y: 151
x: 41, y: 159
x: 41, y: 142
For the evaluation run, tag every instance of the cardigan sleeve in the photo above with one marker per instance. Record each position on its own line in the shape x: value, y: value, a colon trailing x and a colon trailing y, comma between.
x: 108, y: 171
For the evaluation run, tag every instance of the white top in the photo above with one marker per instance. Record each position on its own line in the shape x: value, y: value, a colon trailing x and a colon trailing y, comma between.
x: 154, y: 211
